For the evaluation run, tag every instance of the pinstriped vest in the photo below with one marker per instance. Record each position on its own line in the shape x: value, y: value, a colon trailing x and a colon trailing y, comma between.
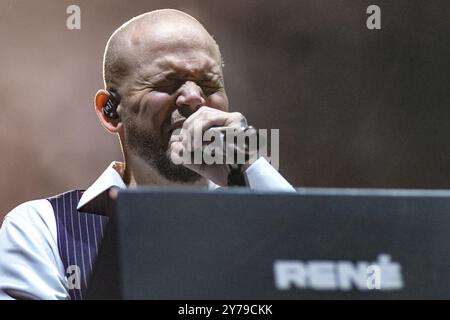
x: 79, y: 236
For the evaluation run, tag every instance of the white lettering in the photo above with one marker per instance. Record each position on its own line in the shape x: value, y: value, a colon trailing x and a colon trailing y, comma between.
x: 374, y: 277
x: 340, y: 275
x: 374, y: 20
x: 322, y: 275
x: 74, y: 20
x: 74, y: 277
x: 288, y: 274
x: 352, y: 275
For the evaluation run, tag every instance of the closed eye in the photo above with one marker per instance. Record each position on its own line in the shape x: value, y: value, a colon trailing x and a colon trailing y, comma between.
x: 208, y: 90
x: 172, y: 86
x: 168, y: 88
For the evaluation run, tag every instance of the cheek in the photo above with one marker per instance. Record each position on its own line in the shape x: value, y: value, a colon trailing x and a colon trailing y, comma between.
x: 154, y: 110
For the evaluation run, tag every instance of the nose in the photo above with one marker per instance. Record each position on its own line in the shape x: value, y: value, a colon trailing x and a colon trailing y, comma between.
x: 190, y: 98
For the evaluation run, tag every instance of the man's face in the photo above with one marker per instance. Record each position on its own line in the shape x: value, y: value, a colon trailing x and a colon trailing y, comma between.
x: 173, y: 76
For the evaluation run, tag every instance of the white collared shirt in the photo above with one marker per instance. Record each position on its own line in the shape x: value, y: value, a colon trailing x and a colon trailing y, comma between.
x: 30, y: 264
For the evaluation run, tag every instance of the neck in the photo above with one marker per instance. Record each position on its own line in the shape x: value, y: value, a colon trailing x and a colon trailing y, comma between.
x: 139, y: 173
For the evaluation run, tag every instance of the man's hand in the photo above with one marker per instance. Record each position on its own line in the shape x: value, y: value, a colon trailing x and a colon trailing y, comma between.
x: 189, y: 139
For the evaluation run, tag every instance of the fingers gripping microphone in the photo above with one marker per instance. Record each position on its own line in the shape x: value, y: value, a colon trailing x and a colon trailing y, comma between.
x: 245, y: 150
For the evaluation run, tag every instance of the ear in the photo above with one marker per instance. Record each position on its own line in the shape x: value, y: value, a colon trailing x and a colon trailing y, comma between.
x: 112, y: 125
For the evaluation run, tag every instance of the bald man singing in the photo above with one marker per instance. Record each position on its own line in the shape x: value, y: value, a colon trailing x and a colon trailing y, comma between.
x: 163, y: 80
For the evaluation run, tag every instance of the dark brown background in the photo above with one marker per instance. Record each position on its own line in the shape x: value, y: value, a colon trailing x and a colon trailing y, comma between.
x: 355, y: 108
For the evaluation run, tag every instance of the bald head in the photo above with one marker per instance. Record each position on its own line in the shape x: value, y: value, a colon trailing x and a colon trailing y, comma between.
x: 148, y: 35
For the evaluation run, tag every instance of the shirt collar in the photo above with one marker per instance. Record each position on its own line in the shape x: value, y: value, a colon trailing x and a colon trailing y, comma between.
x: 111, y: 177
x: 94, y: 196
